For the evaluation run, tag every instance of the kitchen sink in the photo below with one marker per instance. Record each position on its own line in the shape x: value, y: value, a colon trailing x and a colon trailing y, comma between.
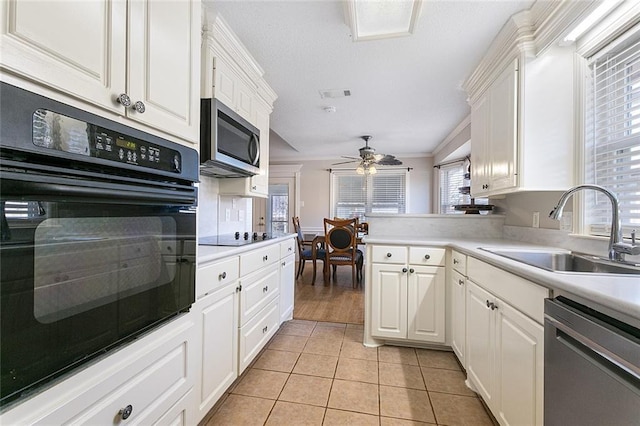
x: 566, y: 261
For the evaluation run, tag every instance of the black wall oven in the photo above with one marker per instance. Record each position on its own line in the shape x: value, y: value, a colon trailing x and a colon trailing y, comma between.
x: 97, y: 241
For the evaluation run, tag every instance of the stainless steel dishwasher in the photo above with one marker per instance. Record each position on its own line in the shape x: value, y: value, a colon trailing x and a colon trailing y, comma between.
x: 591, y: 367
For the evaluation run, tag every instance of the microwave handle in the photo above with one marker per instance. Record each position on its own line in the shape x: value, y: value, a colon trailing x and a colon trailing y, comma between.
x: 254, y: 150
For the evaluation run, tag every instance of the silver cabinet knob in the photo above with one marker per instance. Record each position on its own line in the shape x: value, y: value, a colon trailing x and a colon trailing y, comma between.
x: 126, y: 412
x: 124, y: 99
x: 139, y: 107
x: 427, y: 257
x: 411, y: 271
x: 455, y: 261
x: 388, y: 254
x: 488, y: 304
x: 404, y: 269
x: 222, y: 276
x: 461, y: 282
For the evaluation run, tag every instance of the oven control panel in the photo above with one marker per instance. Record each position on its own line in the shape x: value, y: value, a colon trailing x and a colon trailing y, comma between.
x: 60, y: 132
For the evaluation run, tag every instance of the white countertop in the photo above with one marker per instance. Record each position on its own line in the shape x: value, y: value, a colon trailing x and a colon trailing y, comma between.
x: 210, y: 253
x: 620, y: 293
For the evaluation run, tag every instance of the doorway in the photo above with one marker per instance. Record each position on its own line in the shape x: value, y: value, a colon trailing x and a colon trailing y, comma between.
x: 273, y: 214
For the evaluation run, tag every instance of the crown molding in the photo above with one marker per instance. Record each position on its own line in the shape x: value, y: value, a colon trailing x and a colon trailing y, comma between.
x: 219, y: 36
x: 524, y: 36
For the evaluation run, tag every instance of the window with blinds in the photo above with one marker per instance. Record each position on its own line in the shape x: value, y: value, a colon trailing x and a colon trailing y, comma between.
x: 612, y: 151
x: 358, y: 195
x: 451, y: 179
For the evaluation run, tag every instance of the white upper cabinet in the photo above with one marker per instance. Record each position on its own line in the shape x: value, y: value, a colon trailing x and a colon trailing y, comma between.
x: 164, y: 65
x: 522, y: 114
x: 96, y: 51
x: 231, y: 75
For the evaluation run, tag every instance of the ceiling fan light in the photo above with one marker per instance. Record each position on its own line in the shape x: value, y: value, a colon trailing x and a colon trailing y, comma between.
x: 382, y: 18
x: 360, y: 170
x: 372, y: 170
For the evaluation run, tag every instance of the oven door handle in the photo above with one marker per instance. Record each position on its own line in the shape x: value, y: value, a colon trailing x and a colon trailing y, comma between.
x: 51, y: 187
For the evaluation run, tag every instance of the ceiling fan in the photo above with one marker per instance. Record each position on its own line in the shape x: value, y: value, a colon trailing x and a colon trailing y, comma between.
x: 368, y: 159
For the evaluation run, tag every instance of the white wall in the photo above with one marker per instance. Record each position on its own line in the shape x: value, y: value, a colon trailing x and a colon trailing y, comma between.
x: 315, y: 187
x: 213, y: 208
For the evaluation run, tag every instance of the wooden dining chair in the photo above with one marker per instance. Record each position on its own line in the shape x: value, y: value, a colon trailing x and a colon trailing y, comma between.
x: 308, y: 251
x: 341, y: 247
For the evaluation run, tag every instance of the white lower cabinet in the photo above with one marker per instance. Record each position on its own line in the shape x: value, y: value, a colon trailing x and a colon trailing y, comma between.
x: 217, y: 314
x: 458, y: 304
x: 408, y: 298
x: 457, y: 284
x: 287, y: 287
x: 504, y: 351
x: 150, y: 380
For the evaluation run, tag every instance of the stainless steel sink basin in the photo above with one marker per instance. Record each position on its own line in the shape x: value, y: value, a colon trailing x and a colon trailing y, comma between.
x: 566, y: 261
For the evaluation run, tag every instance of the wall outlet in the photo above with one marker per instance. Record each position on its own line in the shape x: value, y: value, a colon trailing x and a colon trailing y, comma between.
x: 536, y: 220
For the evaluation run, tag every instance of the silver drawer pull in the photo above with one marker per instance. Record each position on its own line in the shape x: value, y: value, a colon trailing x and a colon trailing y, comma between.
x: 426, y: 256
x: 388, y: 254
x: 411, y: 271
x: 265, y: 258
x: 461, y: 282
x: 265, y: 329
x: 404, y: 269
x: 290, y: 248
x: 455, y: 261
x: 265, y: 289
x: 222, y: 276
x: 126, y: 412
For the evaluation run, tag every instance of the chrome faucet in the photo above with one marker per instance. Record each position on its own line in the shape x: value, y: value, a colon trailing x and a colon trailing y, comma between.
x: 616, y: 246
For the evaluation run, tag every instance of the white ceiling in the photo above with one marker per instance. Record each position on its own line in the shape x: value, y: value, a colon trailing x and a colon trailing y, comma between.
x: 406, y: 92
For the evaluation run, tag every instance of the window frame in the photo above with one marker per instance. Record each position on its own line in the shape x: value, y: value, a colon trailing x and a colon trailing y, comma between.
x: 590, y: 48
x: 335, y: 173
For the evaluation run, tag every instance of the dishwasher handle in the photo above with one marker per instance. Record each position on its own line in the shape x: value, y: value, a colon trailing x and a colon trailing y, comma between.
x: 593, y: 347
x: 597, y: 332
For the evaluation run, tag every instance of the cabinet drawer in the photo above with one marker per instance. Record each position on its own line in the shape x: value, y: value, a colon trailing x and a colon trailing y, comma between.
x: 287, y: 248
x: 151, y: 374
x: 212, y: 276
x: 389, y: 254
x: 426, y: 256
x: 257, y: 291
x: 257, y: 332
x: 522, y: 294
x: 459, y: 262
x: 256, y: 259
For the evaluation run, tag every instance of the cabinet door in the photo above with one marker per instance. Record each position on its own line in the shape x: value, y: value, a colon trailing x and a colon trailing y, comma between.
x: 480, y: 341
x: 479, y: 146
x: 287, y: 287
x: 458, y: 315
x: 224, y: 82
x: 219, y: 336
x: 426, y: 303
x: 503, y: 140
x: 164, y: 65
x: 519, y: 367
x: 77, y: 47
x: 389, y: 301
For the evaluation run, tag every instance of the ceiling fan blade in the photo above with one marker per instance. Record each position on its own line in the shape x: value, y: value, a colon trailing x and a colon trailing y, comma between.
x: 349, y: 157
x: 345, y: 162
x: 389, y: 160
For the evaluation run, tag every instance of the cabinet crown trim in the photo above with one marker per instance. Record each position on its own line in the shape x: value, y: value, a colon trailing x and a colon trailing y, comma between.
x: 526, y: 34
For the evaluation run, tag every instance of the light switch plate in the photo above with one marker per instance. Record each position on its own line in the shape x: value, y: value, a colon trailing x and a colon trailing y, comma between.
x: 536, y: 220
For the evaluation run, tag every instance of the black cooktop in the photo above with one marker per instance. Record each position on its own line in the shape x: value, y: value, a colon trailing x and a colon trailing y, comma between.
x: 237, y: 239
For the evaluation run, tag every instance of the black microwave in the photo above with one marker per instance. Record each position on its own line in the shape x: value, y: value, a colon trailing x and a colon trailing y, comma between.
x: 229, y: 144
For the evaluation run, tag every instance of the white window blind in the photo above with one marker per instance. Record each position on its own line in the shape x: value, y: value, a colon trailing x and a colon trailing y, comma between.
x: 451, y: 179
x: 613, y: 135
x: 358, y: 195
x: 17, y: 210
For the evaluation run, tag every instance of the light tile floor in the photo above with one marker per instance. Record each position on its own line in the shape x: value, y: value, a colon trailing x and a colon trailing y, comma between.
x: 318, y: 373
